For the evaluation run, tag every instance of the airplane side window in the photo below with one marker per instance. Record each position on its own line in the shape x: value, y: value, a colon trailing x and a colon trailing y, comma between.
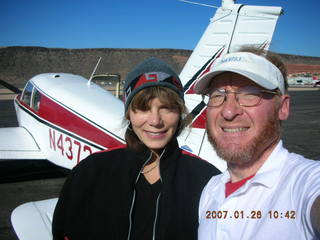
x: 110, y: 82
x: 36, y: 100
x: 26, y: 96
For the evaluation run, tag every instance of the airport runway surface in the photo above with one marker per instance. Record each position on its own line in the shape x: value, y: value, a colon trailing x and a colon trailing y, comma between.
x: 25, y: 181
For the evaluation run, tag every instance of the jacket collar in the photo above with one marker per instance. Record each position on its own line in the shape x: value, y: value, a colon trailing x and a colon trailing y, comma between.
x: 169, y: 155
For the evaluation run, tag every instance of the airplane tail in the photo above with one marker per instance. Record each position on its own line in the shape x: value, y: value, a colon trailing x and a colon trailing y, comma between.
x: 233, y: 26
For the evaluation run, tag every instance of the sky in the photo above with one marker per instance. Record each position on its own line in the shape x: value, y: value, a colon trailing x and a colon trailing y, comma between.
x: 143, y: 24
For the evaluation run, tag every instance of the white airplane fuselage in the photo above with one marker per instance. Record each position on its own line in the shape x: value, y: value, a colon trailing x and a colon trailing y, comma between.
x: 68, y: 118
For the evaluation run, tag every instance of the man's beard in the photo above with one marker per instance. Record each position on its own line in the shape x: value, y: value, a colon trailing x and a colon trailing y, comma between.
x: 246, y: 155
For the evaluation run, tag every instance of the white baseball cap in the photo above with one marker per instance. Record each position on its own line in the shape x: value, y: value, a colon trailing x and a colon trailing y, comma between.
x: 256, y: 68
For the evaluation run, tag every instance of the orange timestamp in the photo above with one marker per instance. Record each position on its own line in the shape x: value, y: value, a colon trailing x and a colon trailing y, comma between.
x: 254, y: 214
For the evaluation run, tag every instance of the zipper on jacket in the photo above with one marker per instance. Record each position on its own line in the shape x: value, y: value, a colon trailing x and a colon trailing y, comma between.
x: 134, y: 197
x: 157, y: 204
x: 155, y: 218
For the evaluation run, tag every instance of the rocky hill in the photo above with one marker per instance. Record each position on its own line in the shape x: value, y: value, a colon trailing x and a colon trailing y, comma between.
x: 19, y: 64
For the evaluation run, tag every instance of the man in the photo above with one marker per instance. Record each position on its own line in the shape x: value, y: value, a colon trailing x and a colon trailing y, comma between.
x: 266, y: 192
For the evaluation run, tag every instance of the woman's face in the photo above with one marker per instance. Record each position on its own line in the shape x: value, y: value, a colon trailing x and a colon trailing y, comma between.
x: 156, y: 126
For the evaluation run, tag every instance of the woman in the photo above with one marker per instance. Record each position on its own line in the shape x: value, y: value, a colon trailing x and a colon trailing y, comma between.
x: 149, y: 189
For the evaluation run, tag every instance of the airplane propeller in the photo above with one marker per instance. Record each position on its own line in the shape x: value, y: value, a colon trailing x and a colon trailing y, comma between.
x: 10, y: 87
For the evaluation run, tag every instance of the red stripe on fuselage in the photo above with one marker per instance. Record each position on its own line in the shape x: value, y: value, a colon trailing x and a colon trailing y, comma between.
x: 60, y: 116
x: 201, y: 120
x: 189, y: 154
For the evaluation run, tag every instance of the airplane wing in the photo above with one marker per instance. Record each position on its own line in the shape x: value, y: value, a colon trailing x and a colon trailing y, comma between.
x: 18, y: 143
x: 33, y: 220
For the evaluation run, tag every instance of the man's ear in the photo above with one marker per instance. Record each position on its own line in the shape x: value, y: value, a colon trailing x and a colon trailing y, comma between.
x: 284, y: 109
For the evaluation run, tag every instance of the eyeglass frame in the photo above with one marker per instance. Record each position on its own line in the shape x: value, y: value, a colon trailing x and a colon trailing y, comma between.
x: 226, y: 92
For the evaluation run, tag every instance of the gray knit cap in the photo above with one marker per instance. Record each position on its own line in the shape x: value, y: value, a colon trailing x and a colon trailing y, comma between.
x: 149, y: 73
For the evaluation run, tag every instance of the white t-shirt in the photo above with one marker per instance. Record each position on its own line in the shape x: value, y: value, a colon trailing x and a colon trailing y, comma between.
x: 274, y: 204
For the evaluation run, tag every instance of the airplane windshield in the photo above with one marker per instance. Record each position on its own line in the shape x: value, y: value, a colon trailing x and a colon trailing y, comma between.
x: 36, y: 100
x: 27, y: 92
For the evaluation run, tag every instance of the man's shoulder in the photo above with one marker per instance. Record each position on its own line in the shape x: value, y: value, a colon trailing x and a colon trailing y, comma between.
x: 303, y: 174
x: 214, y: 182
x: 302, y: 165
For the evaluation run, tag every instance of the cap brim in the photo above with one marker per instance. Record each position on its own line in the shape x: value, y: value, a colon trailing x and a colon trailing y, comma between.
x: 203, y: 84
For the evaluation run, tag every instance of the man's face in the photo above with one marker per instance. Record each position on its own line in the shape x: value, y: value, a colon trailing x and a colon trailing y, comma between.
x: 241, y: 135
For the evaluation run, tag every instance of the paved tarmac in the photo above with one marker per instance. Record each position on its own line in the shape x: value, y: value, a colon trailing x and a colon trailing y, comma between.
x: 24, y: 181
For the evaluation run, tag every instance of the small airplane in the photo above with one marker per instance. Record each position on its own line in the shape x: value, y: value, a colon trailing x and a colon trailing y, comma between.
x: 64, y: 117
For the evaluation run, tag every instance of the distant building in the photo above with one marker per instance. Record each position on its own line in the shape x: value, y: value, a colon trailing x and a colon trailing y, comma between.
x: 300, y: 80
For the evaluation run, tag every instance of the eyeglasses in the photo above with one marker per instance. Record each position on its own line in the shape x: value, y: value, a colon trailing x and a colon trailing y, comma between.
x: 246, y: 96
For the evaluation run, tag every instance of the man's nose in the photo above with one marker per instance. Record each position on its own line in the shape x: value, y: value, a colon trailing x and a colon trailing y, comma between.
x: 231, y: 108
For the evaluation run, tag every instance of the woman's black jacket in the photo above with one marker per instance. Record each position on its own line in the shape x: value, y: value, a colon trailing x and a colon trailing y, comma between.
x: 96, y: 198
